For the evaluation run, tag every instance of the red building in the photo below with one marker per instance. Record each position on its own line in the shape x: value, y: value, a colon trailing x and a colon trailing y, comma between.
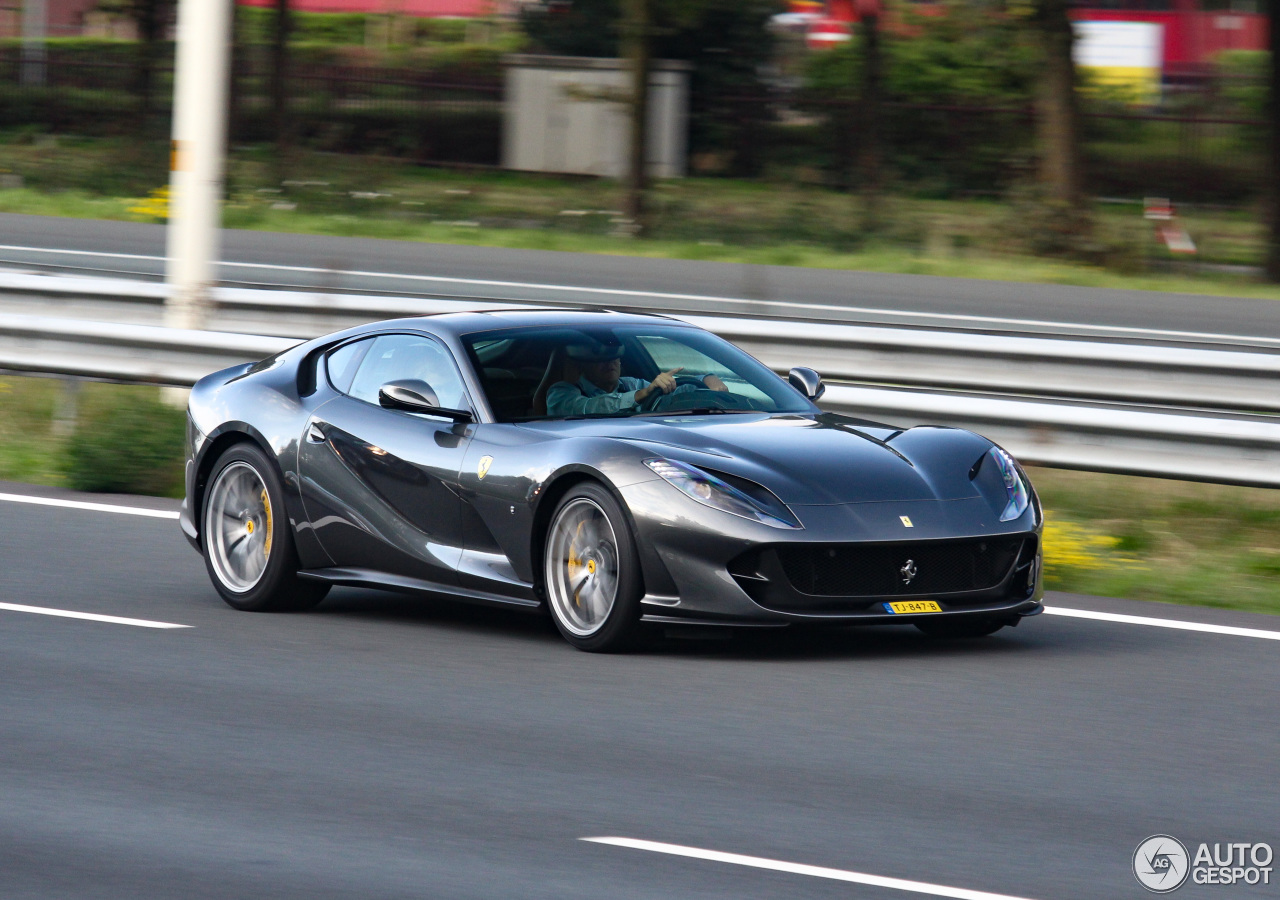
x: 1193, y: 36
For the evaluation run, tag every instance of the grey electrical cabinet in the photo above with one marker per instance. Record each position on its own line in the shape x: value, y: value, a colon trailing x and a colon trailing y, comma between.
x: 570, y: 114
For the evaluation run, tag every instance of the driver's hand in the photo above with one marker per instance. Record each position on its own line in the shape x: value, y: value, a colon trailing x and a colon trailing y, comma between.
x: 666, y: 382
x: 714, y: 382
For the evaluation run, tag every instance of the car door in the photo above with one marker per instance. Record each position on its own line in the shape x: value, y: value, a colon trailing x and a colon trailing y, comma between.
x: 380, y: 486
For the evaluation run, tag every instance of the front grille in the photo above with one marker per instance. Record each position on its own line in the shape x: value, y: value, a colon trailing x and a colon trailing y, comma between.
x: 877, y: 570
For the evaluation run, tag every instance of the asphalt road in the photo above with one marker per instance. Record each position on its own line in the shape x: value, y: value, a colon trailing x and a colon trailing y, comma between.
x: 360, y: 264
x: 382, y: 747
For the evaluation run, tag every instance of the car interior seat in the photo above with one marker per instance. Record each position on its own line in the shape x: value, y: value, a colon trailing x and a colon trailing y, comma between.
x: 559, y: 368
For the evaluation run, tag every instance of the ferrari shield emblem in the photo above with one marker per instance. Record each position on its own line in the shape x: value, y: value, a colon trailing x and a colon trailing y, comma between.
x: 906, y: 522
x: 483, y: 469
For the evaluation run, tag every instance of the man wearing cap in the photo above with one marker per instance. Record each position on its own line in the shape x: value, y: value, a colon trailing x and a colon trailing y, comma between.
x: 602, y: 387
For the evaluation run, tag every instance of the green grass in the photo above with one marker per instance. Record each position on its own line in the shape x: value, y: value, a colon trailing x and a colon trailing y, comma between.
x: 34, y: 451
x: 1110, y: 535
x: 778, y: 222
x: 1153, y: 539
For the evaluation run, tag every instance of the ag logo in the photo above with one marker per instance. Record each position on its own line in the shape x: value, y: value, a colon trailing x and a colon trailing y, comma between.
x: 483, y: 469
x: 1161, y: 864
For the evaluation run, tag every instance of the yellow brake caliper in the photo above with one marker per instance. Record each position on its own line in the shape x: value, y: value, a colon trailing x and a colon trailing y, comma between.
x: 575, y: 564
x: 266, y: 504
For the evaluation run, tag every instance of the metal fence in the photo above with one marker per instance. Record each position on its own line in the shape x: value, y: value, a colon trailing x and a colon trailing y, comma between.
x: 347, y: 109
x: 949, y: 150
x: 424, y: 115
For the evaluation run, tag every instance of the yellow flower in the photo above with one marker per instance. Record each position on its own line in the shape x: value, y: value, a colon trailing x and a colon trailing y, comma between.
x: 1070, y: 545
x: 155, y: 205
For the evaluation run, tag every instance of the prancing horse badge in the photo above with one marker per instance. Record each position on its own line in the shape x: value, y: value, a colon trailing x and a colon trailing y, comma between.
x: 908, y: 571
x: 906, y: 521
x: 483, y: 469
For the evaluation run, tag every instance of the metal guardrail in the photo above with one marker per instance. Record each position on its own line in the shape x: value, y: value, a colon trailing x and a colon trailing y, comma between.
x: 925, y: 376
x: 1110, y: 371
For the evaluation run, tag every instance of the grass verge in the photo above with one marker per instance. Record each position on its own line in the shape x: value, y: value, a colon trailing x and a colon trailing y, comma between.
x: 1110, y: 535
x: 89, y: 436
x: 1154, y: 539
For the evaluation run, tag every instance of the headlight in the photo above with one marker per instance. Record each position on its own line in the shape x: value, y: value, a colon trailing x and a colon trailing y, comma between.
x: 711, y: 491
x: 1015, y: 490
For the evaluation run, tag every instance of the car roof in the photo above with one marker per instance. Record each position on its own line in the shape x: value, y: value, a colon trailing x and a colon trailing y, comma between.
x: 461, y: 323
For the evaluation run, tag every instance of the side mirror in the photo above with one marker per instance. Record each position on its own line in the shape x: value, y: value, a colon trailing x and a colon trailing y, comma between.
x: 807, y: 382
x: 412, y: 395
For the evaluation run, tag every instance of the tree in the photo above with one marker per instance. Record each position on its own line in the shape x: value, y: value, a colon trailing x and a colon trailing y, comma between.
x: 1273, y: 136
x: 1058, y: 116
x: 869, y: 115
x: 636, y: 36
x: 153, y: 19
x: 725, y: 40
x: 280, y: 79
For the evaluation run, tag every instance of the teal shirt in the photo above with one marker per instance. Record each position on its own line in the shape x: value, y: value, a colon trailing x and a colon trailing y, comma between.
x: 584, y: 398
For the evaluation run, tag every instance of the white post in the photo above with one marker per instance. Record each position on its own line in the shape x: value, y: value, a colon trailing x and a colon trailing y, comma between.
x: 197, y: 158
x: 35, y: 27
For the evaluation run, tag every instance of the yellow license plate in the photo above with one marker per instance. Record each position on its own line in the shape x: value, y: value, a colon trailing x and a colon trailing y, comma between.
x: 912, y: 606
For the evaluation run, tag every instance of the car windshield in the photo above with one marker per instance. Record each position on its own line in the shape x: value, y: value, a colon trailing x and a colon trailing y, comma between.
x: 560, y: 372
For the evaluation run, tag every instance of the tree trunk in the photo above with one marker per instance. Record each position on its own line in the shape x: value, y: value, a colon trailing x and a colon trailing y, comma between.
x: 869, y: 139
x: 1273, y: 157
x: 1058, y: 120
x: 148, y: 21
x: 635, y: 38
x: 280, y: 79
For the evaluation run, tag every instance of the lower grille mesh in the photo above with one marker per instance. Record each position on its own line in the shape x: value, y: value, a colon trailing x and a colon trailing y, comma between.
x: 877, y: 570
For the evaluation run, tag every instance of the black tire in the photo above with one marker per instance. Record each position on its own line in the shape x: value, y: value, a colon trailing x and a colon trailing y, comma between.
x: 613, y: 631
x: 275, y: 587
x: 967, y: 627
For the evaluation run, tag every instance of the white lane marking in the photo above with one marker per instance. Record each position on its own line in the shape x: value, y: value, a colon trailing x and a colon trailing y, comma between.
x: 96, y: 507
x: 756, y: 862
x: 1163, y: 623
x: 92, y: 617
x: 621, y: 292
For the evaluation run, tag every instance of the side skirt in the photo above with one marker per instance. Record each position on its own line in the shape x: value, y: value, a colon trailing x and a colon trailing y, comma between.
x: 383, y: 581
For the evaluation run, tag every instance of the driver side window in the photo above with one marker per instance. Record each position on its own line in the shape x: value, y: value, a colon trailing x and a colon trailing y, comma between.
x: 398, y: 356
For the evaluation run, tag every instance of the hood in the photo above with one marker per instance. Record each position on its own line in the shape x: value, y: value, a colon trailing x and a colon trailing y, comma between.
x: 812, y: 460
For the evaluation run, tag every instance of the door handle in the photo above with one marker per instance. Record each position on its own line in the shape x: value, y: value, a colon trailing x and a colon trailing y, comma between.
x: 315, y: 434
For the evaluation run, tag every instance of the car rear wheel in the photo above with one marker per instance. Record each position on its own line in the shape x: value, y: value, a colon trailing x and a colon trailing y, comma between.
x: 592, y: 573
x: 248, y: 548
x: 960, y: 628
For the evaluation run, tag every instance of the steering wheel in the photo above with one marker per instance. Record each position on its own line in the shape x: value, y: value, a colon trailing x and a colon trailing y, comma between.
x: 654, y: 400
x: 698, y: 398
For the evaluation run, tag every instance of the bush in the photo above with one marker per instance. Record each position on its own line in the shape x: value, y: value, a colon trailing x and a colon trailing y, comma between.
x: 956, y: 83
x: 131, y: 444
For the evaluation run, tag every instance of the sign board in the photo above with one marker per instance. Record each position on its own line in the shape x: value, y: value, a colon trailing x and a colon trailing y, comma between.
x: 1121, y: 57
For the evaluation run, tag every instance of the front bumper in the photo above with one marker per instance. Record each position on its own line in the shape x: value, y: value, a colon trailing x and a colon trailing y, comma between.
x: 695, y: 567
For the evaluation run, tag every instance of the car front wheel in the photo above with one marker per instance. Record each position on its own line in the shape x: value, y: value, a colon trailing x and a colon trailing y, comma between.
x: 592, y: 572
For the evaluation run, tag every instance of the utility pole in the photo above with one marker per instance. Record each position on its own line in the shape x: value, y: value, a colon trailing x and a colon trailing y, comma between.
x: 35, y: 26
x: 196, y: 161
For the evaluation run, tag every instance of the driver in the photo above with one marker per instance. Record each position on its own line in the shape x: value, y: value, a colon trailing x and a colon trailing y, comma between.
x: 602, y: 387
